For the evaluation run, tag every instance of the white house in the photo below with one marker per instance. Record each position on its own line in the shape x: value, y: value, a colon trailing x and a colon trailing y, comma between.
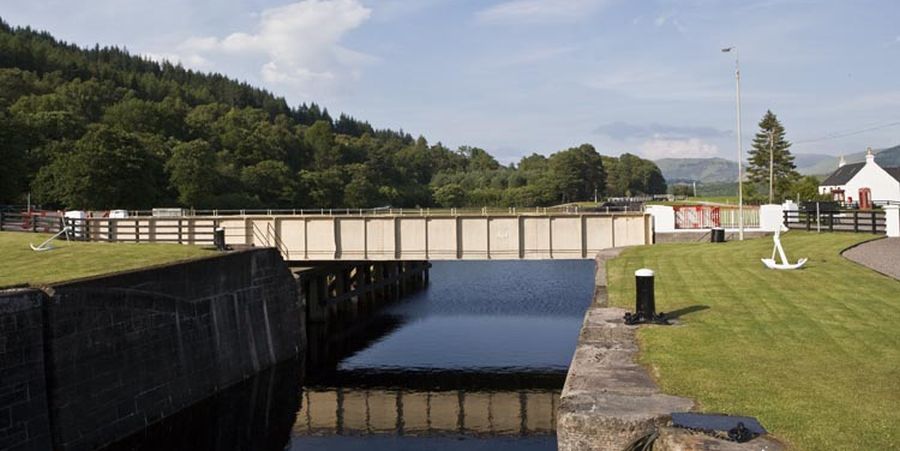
x: 861, y: 182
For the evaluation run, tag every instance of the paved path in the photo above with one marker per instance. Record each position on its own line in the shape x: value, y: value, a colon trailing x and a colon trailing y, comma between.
x: 881, y: 255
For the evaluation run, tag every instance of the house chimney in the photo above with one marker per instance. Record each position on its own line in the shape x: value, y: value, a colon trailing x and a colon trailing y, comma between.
x: 842, y: 162
x: 870, y: 156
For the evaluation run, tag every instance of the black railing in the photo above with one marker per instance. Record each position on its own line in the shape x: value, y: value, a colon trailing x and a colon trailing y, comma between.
x: 859, y: 221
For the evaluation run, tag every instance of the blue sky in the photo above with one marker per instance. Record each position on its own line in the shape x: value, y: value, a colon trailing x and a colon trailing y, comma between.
x: 522, y: 76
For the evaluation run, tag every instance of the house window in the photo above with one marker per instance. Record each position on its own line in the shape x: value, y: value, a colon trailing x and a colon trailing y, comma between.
x: 837, y: 195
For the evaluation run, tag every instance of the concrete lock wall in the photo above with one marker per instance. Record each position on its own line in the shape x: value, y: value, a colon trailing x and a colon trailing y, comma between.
x: 123, y: 351
x: 24, y: 420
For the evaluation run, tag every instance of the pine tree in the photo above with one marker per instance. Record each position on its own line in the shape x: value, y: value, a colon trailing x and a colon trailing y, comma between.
x: 784, y: 170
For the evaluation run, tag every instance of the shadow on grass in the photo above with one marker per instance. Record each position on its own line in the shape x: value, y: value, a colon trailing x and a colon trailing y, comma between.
x: 675, y: 314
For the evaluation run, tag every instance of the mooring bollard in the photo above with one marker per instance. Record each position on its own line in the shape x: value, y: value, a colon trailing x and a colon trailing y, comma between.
x: 717, y: 235
x: 219, y: 238
x: 645, y: 301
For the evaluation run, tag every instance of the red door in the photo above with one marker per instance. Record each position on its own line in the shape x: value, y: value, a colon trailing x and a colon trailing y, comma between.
x: 865, y: 198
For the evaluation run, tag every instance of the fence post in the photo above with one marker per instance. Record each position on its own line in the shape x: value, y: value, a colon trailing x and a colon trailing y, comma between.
x: 831, y: 221
x: 874, y: 224
x: 856, y: 221
x: 808, y: 221
x: 110, y: 230
x: 1, y: 220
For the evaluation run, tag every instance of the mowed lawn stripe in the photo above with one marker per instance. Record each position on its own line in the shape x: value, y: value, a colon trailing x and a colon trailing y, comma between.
x: 814, y: 353
x: 71, y: 260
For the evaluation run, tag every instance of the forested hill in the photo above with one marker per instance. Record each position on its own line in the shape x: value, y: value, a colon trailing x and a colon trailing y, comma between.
x: 99, y: 128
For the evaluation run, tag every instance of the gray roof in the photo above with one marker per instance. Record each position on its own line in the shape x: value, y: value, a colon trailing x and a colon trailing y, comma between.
x: 843, y: 174
x: 895, y: 172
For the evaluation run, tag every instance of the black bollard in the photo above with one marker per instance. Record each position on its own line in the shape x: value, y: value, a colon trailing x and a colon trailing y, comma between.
x: 717, y: 235
x: 645, y: 302
x: 219, y: 238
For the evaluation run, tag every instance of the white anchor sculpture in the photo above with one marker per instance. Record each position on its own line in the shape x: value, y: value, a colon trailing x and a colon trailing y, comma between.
x: 785, y: 264
x: 48, y: 245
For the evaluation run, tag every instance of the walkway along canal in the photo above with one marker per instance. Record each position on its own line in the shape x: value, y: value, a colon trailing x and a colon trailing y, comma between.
x: 474, y: 360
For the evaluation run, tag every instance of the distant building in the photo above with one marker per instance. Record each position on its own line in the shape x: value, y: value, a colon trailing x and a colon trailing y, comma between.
x: 863, y: 183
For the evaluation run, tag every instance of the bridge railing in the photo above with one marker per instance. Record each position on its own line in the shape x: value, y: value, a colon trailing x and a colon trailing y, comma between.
x: 566, y: 209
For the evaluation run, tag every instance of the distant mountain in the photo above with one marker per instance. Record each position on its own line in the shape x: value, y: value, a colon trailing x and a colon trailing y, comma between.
x: 702, y: 170
x: 815, y: 165
x: 718, y: 170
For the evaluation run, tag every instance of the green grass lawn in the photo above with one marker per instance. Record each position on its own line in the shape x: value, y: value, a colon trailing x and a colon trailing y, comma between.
x: 814, y: 353
x: 71, y: 260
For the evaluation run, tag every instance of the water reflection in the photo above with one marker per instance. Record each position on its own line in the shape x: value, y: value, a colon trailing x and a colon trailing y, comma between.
x: 257, y: 414
x: 341, y: 411
x: 474, y: 362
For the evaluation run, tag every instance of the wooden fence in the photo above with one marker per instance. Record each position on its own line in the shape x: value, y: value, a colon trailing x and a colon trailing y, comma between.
x: 859, y: 221
x: 194, y: 230
x: 31, y: 221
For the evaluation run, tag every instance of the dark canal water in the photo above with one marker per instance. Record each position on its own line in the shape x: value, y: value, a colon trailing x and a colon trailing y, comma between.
x: 475, y: 361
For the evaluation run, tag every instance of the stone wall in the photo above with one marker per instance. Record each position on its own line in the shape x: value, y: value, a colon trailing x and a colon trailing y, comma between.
x: 123, y: 351
x: 24, y: 424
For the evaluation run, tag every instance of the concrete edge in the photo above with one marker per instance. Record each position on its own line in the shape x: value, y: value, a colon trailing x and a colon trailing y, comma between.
x: 609, y: 400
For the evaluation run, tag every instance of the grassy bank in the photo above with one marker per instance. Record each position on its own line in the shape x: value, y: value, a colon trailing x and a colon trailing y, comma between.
x: 815, y: 353
x: 71, y: 260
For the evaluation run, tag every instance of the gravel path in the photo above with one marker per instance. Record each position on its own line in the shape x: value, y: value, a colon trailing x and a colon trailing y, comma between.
x: 881, y: 255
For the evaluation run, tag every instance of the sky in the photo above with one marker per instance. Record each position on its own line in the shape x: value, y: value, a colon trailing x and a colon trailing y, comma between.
x: 522, y: 76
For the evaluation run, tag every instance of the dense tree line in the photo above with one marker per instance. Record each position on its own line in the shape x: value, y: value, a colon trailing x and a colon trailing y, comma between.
x: 99, y: 128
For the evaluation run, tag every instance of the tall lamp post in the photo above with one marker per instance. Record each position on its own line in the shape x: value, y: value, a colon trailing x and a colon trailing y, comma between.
x: 740, y: 160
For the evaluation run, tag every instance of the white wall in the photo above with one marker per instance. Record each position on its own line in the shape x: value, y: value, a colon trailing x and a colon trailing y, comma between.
x: 663, y: 218
x: 893, y: 220
x: 771, y: 217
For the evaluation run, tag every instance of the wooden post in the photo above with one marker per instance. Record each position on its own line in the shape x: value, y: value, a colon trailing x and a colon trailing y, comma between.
x: 831, y: 221
x: 151, y: 229
x: 137, y: 230
x: 856, y: 221
x: 110, y: 230
x: 808, y: 221
x: 874, y: 224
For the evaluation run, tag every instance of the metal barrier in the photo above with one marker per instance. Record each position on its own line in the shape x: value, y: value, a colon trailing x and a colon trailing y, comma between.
x: 708, y: 217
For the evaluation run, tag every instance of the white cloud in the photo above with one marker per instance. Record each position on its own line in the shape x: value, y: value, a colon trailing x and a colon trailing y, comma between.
x: 298, y: 45
x: 657, y: 148
x: 537, y: 11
